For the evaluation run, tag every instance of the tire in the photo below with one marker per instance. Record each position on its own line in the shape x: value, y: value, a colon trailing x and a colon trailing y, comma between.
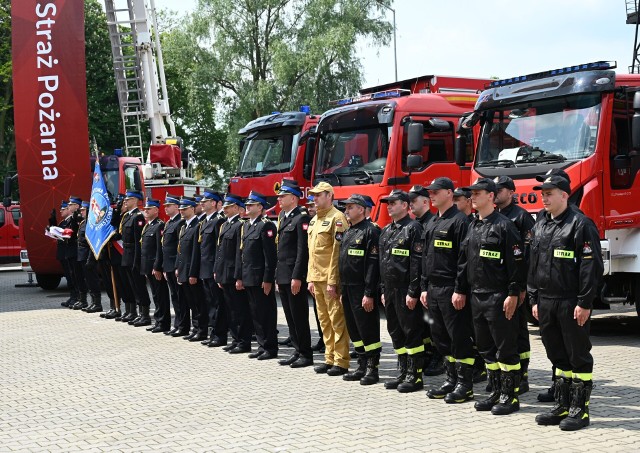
x: 48, y: 282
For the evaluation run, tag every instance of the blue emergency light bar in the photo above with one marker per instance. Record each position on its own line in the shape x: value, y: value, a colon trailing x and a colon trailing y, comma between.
x: 387, y: 94
x: 554, y: 72
x: 305, y: 109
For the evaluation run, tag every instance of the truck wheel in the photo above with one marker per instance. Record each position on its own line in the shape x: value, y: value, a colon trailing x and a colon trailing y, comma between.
x: 48, y: 282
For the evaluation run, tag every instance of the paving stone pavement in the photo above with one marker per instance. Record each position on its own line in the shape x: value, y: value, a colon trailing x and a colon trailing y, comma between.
x: 71, y: 381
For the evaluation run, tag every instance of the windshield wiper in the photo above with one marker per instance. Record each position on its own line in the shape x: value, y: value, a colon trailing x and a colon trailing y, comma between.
x: 548, y: 157
x: 328, y: 176
x: 497, y: 163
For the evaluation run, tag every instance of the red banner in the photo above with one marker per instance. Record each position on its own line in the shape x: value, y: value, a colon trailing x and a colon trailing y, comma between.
x: 50, y: 107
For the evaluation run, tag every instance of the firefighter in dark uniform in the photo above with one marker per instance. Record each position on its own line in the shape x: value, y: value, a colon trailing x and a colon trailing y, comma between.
x: 462, y: 199
x: 88, y: 264
x: 71, y: 252
x: 360, y: 276
x: 110, y: 260
x: 188, y: 271
x: 208, y: 239
x: 166, y: 262
x: 523, y: 222
x: 150, y: 244
x: 566, y: 269
x: 492, y: 269
x: 255, y: 272
x: 61, y: 251
x: 400, y: 251
x: 236, y: 300
x: 452, y: 328
x: 291, y: 273
x: 131, y: 230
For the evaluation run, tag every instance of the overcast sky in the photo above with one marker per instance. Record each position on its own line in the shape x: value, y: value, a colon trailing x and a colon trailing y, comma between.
x: 502, y: 38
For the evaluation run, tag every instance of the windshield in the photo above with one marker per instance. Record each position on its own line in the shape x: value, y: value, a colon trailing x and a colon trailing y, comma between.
x: 542, y: 131
x: 360, y: 151
x: 269, y: 152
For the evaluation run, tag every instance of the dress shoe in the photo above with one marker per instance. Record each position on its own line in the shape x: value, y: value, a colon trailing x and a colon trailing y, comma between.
x: 142, y: 321
x: 190, y: 336
x: 255, y: 355
x: 322, y: 368
x: 158, y: 329
x: 179, y: 333
x: 268, y: 355
x: 113, y: 315
x: 230, y: 346
x: 217, y: 342
x: 171, y: 331
x: 206, y: 342
x: 239, y: 350
x: 198, y: 337
x: 67, y: 302
x: 110, y: 312
x: 285, y: 342
x: 94, y: 309
x: 302, y: 362
x: 289, y: 360
x: 134, y: 320
x: 150, y: 328
x: 336, y: 371
x: 318, y: 347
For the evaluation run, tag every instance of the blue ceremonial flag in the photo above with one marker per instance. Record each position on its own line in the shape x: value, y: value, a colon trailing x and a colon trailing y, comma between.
x: 99, y: 228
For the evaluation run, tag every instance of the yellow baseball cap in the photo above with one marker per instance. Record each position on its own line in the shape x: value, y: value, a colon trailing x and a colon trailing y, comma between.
x: 321, y: 187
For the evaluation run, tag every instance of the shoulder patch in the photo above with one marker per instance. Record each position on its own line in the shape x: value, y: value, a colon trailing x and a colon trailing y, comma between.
x: 586, y: 248
x: 305, y: 226
x: 140, y: 222
x: 270, y: 233
x: 338, y: 236
x: 516, y: 250
x: 339, y: 223
x: 417, y: 247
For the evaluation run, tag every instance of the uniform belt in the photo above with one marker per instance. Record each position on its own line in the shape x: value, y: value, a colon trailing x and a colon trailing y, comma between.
x: 442, y: 281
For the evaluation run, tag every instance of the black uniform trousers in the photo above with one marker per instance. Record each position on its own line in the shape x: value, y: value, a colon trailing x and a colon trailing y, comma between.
x: 296, y: 312
x: 78, y: 275
x: 138, y: 284
x: 181, y: 320
x: 264, y: 312
x: 452, y: 330
x: 126, y: 294
x: 405, y: 326
x: 67, y: 270
x: 214, y: 298
x: 160, y: 296
x: 496, y: 336
x: 524, y: 345
x: 91, y: 274
x: 104, y: 267
x: 568, y: 345
x: 196, y: 312
x: 240, y: 323
x: 363, y: 326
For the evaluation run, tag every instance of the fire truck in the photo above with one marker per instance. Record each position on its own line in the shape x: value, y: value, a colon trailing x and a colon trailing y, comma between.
x: 395, y: 136
x: 584, y: 119
x: 275, y: 147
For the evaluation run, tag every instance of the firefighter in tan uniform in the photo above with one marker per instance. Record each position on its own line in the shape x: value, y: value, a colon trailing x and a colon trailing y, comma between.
x: 325, y: 233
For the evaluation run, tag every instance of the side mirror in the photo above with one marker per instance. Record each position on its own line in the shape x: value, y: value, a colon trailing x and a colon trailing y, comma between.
x: 309, y: 152
x: 414, y: 161
x: 438, y: 125
x: 635, y: 122
x: 6, y: 202
x: 241, y: 145
x: 460, y: 150
x: 415, y: 137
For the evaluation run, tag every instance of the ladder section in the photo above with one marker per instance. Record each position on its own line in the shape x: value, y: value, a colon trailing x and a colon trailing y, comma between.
x: 632, y: 18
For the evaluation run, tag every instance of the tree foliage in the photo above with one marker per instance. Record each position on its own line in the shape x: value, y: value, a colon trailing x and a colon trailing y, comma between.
x: 7, y: 138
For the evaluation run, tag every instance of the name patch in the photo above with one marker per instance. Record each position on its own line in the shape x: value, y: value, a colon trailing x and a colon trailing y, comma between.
x: 490, y: 254
x: 400, y: 252
x: 356, y: 252
x: 443, y: 244
x: 563, y: 254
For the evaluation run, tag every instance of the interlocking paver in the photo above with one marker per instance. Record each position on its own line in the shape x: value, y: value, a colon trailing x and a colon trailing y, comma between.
x: 72, y: 381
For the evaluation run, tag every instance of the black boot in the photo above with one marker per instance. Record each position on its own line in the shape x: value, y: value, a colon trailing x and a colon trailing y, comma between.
x: 449, y: 383
x: 464, y: 387
x: 494, y: 380
x: 96, y: 303
x: 126, y: 316
x: 134, y: 315
x: 371, y: 374
x: 509, y: 402
x: 578, y: 417
x: 548, y: 395
x: 82, y: 302
x: 524, y: 376
x: 560, y: 410
x: 413, y: 381
x: 112, y: 309
x: 435, y: 366
x: 479, y: 369
x: 144, y: 319
x: 402, y: 373
x: 358, y: 373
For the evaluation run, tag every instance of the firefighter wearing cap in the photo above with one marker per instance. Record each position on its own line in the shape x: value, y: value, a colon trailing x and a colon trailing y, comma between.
x: 359, y: 278
x: 420, y: 208
x: 523, y: 222
x: 462, y: 199
x: 88, y: 264
x: 166, y: 262
x: 326, y: 229
x: 492, y: 269
x: 566, y: 269
x: 150, y: 244
x: 255, y: 272
x: 71, y: 252
x: 82, y: 254
x: 452, y: 328
x: 114, y: 255
x: 236, y: 300
x: 61, y: 251
x: 319, y: 346
x: 291, y: 272
x: 400, y: 261
x: 131, y: 227
x: 188, y: 270
x: 208, y: 239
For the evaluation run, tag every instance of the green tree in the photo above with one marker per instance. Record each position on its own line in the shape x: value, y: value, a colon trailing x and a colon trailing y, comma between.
x: 257, y: 56
x: 7, y: 137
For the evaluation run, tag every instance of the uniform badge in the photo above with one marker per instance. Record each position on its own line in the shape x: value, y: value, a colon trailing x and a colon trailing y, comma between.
x: 305, y: 226
x: 338, y: 236
x: 516, y: 250
x: 374, y: 250
x: 312, y: 222
x: 400, y: 241
x: 358, y: 241
x: 339, y: 223
x: 325, y: 223
x: 270, y: 233
x: 586, y: 248
x: 140, y: 223
x: 417, y: 247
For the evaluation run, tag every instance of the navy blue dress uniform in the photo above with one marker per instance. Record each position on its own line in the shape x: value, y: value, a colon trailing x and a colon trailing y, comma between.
x: 110, y: 262
x: 166, y: 262
x: 256, y: 266
x: 359, y: 277
x: 524, y: 223
x: 131, y: 227
x: 565, y: 273
x: 214, y: 297
x: 88, y: 266
x: 188, y: 267
x: 71, y: 253
x: 61, y: 255
x: 236, y: 300
x: 150, y: 245
x: 492, y: 268
x: 452, y: 329
x: 400, y: 251
x: 293, y: 260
